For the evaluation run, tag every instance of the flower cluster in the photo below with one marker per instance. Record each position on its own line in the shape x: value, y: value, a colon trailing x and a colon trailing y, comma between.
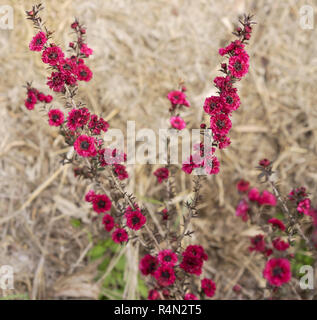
x: 161, y: 174
x: 164, y: 269
x: 66, y: 71
x: 252, y: 195
x: 219, y: 108
x: 34, y: 96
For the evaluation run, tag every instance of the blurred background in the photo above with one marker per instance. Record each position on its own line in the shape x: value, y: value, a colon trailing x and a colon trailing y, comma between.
x: 142, y: 49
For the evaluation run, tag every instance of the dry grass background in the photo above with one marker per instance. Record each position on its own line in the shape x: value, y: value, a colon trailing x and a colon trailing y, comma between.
x: 141, y: 50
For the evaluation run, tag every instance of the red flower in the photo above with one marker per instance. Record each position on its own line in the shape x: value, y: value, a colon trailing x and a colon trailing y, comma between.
x: 97, y: 125
x: 242, y: 210
x: 56, y: 81
x: 161, y: 174
x: 223, y: 141
x: 277, y: 271
x: 108, y: 222
x: 48, y: 98
x: 38, y: 42
x: 178, y: 123
x: 220, y: 124
x: 243, y: 185
x: 148, y: 265
x: 77, y: 118
x: 153, y: 295
x: 101, y: 203
x: 213, y: 105
x: 239, y: 65
x: 258, y: 243
x: 264, y: 163
x: 190, y: 296
x: 277, y: 223
x: 120, y: 235
x: 83, y: 73
x: 280, y: 245
x: 85, y: 50
x: 167, y: 257
x: 209, y: 287
x: 223, y: 83
x: 52, y: 55
x: 231, y: 100
x: 178, y: 97
x: 120, y: 171
x: 90, y: 196
x: 211, y: 164
x: 254, y: 194
x: 304, y: 206
x: 297, y: 194
x: 30, y: 100
x: 56, y: 117
x: 85, y: 146
x: 165, y: 275
x: 267, y: 198
x: 135, y: 219
x: 193, y: 259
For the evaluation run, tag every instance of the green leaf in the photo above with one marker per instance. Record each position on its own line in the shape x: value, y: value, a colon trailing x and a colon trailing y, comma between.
x: 76, y: 223
x: 97, y: 252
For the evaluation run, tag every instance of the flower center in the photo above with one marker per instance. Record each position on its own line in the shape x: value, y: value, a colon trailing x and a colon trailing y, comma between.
x: 135, y: 220
x: 55, y: 117
x: 84, y: 145
x: 238, y: 65
x: 52, y: 55
x: 220, y: 124
x: 101, y: 203
x: 277, y: 271
x: 167, y: 258
x: 165, y: 274
x: 229, y: 99
x: 83, y: 73
x: 39, y: 41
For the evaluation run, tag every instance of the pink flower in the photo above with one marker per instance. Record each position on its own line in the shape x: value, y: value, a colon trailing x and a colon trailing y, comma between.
x: 77, y: 118
x: 190, y: 296
x: 38, y: 42
x: 148, y: 264
x: 56, y: 81
x: 243, y: 185
x: 167, y: 257
x: 220, y: 124
x: 85, y: 50
x: 165, y: 275
x: 120, y: 171
x: 242, y: 210
x: 213, y: 105
x: 120, y: 235
x: 304, y: 206
x: 178, y: 123
x: 135, y: 219
x: 177, y: 97
x: 254, y: 194
x: 83, y: 73
x: 211, y: 164
x: 52, y: 55
x: 209, y: 287
x: 108, y: 222
x: 90, y: 195
x: 277, y: 271
x: 85, y: 146
x: 30, y: 100
x: 101, y: 203
x: 153, y: 295
x: 161, y: 174
x: 56, y: 117
x: 48, y: 98
x: 239, y: 65
x: 280, y: 245
x: 277, y: 223
x: 193, y: 259
x: 258, y: 243
x: 231, y: 100
x: 267, y: 198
